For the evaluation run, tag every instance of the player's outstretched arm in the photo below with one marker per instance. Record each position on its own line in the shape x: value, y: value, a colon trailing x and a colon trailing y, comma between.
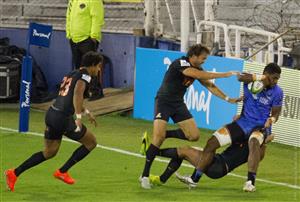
x: 203, y: 75
x: 274, y: 116
x: 218, y: 92
x: 248, y: 78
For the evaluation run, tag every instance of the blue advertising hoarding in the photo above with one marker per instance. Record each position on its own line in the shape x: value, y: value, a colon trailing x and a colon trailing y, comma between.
x: 208, y: 110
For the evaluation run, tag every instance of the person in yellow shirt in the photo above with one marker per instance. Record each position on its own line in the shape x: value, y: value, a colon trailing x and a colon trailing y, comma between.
x: 85, y: 19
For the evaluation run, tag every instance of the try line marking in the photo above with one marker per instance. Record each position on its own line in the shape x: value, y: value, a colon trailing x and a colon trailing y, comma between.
x: 156, y: 159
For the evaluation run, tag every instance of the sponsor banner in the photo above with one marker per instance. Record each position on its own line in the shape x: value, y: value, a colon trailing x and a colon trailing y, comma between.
x: 287, y: 128
x: 39, y: 34
x: 25, y: 94
x: 208, y: 110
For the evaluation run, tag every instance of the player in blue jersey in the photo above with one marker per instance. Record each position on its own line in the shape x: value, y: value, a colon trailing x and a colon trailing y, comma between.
x: 259, y: 112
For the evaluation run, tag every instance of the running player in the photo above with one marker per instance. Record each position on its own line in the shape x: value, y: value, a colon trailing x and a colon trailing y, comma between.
x: 59, y: 121
x: 259, y: 112
x: 169, y: 102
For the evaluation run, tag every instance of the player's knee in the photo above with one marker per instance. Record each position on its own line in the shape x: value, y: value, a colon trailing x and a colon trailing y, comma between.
x: 182, y: 151
x: 254, y: 142
x: 192, y: 135
x: 92, y: 143
x: 50, y: 153
x: 193, y: 138
x: 256, y: 139
x: 158, y: 139
x: 212, y: 144
x: 221, y: 137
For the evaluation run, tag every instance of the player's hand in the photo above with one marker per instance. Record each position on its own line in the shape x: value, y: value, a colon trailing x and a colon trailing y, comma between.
x: 235, y: 100
x: 78, y: 124
x: 269, y: 122
x: 92, y: 119
x: 232, y: 73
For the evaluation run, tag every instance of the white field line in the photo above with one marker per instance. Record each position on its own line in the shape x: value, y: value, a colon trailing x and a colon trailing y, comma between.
x: 156, y: 159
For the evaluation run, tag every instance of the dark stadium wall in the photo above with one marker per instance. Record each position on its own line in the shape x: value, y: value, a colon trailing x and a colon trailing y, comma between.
x: 55, y: 61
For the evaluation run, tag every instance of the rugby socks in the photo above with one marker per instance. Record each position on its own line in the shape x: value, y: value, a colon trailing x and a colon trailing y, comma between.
x: 252, y: 176
x: 194, y: 173
x: 172, y: 167
x: 150, y: 156
x: 77, y: 155
x: 179, y: 134
x: 169, y: 153
x: 34, y: 160
x: 197, y: 175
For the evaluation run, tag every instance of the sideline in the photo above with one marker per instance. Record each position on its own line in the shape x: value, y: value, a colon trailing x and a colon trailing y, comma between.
x: 156, y: 159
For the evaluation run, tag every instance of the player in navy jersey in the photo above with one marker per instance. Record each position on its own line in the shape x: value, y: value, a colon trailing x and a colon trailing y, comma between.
x: 169, y: 102
x: 60, y: 121
x: 259, y: 112
x: 222, y: 164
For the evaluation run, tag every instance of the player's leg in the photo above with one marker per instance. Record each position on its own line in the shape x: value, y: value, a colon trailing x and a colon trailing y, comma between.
x: 221, y: 137
x: 188, y: 127
x: 50, y: 150
x: 159, y: 129
x: 161, y: 117
x: 52, y: 140
x: 255, y: 141
x: 177, y: 155
x: 88, y: 141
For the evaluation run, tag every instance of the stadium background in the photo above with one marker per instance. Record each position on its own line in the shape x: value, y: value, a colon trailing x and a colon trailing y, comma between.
x: 125, y: 20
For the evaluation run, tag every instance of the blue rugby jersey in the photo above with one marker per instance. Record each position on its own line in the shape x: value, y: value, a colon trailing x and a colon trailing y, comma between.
x: 257, y: 108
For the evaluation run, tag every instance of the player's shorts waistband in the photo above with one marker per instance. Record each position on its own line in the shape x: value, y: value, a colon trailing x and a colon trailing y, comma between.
x: 55, y: 108
x: 59, y: 110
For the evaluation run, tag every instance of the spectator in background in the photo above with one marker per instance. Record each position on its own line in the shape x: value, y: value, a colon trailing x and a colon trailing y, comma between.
x: 83, y: 28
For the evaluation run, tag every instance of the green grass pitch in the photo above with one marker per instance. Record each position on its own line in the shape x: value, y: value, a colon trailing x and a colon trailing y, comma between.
x: 107, y: 175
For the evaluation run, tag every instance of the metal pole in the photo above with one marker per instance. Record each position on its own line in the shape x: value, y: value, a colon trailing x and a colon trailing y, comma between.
x: 264, y: 46
x: 149, y: 18
x: 184, y: 25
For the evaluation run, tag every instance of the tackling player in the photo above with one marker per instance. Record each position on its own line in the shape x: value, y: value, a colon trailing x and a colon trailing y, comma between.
x: 169, y: 102
x: 60, y: 121
x: 222, y: 164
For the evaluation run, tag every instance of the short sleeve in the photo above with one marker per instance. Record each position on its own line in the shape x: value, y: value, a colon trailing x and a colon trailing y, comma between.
x: 182, y: 64
x: 86, y: 78
x: 278, y: 98
x: 247, y: 93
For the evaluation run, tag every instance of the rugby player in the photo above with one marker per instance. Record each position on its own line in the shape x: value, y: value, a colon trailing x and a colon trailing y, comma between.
x: 222, y: 164
x: 169, y: 102
x: 60, y: 121
x: 259, y: 112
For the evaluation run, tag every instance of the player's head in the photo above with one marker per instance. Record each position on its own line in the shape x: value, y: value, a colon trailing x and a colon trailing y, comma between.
x: 92, y: 61
x: 272, y: 71
x: 197, y: 54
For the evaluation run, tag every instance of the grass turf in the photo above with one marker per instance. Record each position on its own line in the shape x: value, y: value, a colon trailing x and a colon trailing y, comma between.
x: 110, y: 176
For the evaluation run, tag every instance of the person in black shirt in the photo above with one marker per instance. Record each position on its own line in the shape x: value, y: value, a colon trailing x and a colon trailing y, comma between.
x: 59, y: 121
x: 232, y: 157
x: 169, y: 102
